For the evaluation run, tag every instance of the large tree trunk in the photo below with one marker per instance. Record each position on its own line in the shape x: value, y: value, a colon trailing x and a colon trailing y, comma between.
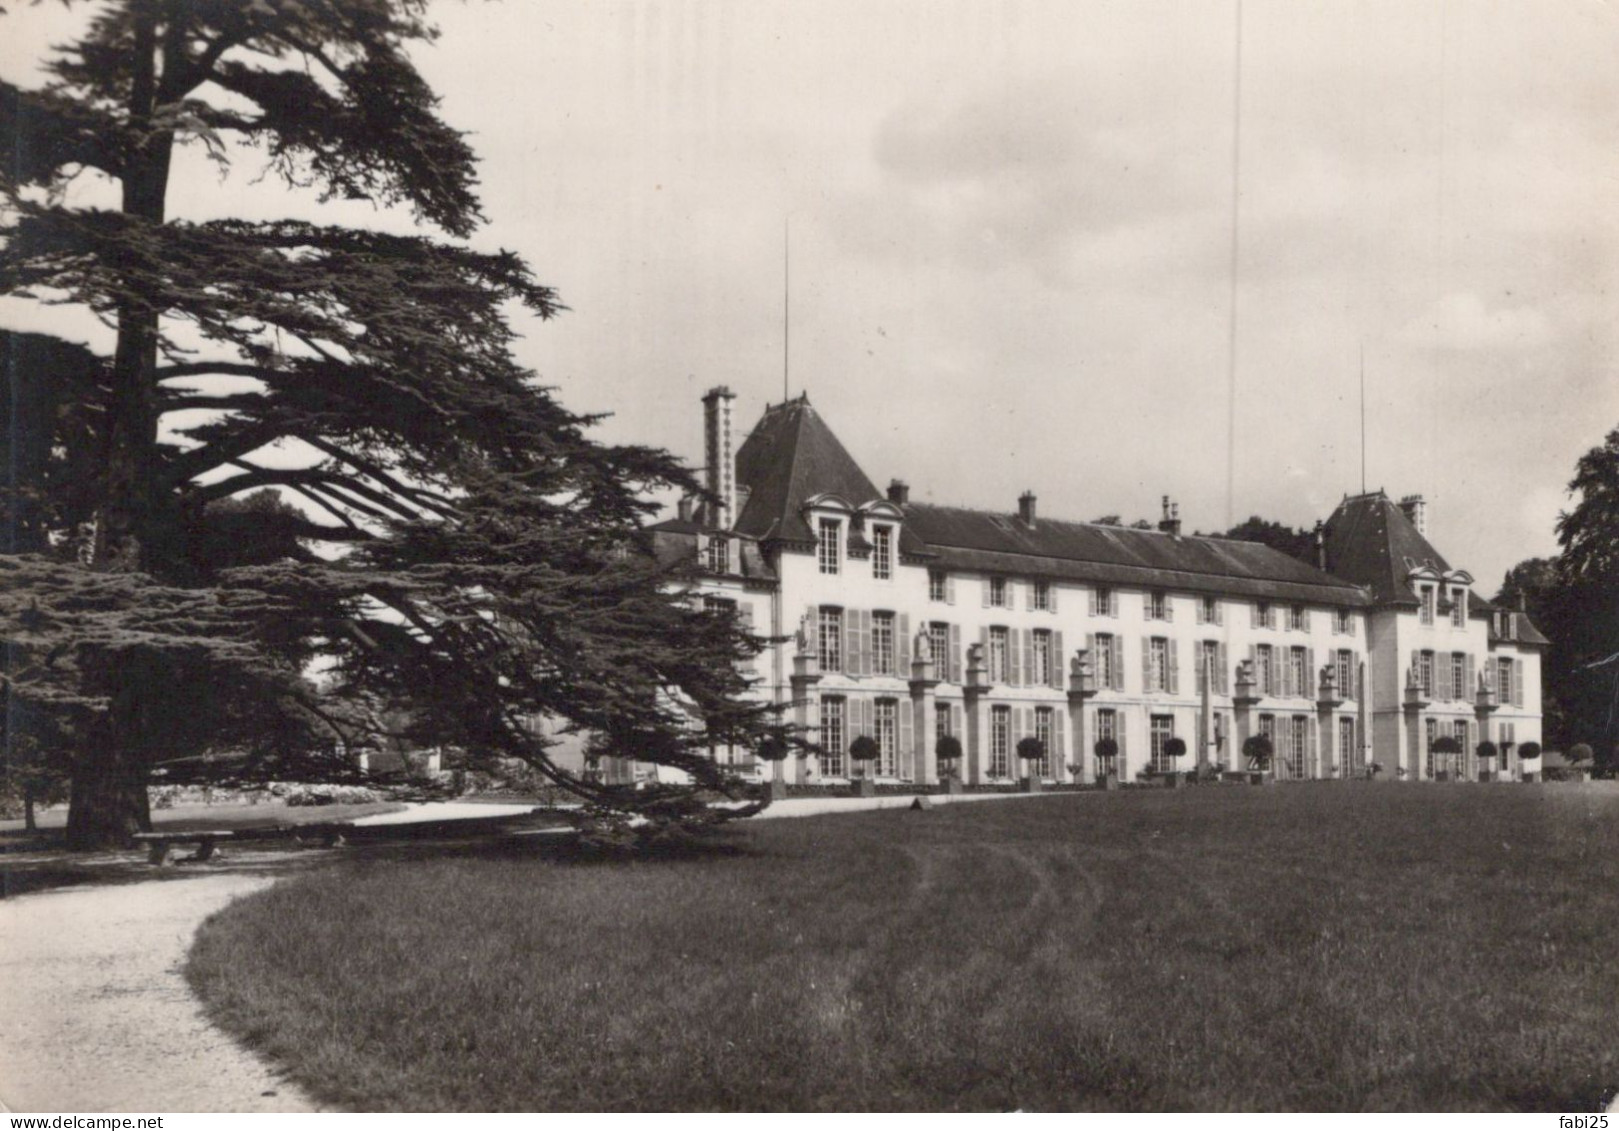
x: 108, y: 803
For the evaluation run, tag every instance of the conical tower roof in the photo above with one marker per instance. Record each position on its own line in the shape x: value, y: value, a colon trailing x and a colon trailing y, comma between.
x: 790, y: 456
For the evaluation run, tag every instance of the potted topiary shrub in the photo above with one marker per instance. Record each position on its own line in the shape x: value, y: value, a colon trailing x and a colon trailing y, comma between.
x: 863, y: 751
x: 1259, y: 751
x: 774, y: 748
x: 1579, y: 762
x: 1445, y: 748
x: 1107, y: 752
x: 1031, y: 752
x: 948, y: 751
x: 1174, y: 751
x: 1487, y: 752
x: 1528, y: 752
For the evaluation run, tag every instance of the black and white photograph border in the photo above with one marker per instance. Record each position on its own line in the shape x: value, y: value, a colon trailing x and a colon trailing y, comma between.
x: 1136, y: 483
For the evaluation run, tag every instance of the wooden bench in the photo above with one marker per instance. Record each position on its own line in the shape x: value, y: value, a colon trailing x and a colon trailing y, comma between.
x: 159, y: 844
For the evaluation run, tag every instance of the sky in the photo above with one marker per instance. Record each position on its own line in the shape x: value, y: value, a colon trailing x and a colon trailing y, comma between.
x: 1060, y: 246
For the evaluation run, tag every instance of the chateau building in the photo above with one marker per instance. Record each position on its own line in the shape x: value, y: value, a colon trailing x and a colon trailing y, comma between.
x: 906, y: 621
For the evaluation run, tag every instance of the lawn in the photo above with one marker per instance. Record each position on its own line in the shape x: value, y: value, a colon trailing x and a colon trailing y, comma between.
x: 1324, y: 946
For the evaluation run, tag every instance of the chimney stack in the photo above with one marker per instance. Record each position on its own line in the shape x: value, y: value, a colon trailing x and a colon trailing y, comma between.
x: 1025, y: 507
x: 899, y: 492
x: 1320, y: 545
x: 1171, y: 522
x: 685, y: 508
x: 1416, y: 509
x: 720, y: 461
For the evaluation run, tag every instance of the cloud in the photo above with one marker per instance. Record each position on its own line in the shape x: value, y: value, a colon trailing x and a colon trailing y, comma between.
x: 1463, y: 322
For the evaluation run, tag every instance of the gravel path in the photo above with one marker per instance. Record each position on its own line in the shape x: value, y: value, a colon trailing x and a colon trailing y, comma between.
x: 95, y: 1015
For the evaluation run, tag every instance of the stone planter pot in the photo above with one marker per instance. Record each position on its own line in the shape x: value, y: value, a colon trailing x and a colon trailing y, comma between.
x: 952, y: 786
x: 1486, y: 775
x: 1174, y: 780
x: 1531, y: 775
x: 1260, y: 777
x: 1441, y: 775
x: 1031, y: 784
x: 865, y: 787
x: 1108, y: 781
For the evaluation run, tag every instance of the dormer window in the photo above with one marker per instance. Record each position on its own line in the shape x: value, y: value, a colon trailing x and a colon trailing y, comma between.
x: 997, y: 592
x: 1262, y: 614
x: 1427, y: 596
x: 718, y: 557
x: 1297, y: 620
x: 830, y: 551
x: 882, y: 552
x: 1458, y: 608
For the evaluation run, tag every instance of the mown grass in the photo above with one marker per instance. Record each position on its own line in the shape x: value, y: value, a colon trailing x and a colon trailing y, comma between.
x: 1335, y: 946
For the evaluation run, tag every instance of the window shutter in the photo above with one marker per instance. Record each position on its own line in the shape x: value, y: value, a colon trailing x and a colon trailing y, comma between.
x: 1253, y: 616
x: 1313, y: 767
x: 1059, y: 741
x: 1059, y: 661
x: 1051, y: 596
x: 1309, y: 673
x: 1287, y: 673
x: 1027, y: 636
x: 902, y: 648
x: 1174, y: 668
x: 1517, y: 682
x: 1416, y: 664
x: 1223, y: 685
x: 1093, y: 602
x: 955, y: 724
x: 1118, y: 736
x: 1335, y: 622
x: 983, y: 643
x: 1352, y: 629
x: 1028, y: 593
x: 1198, y: 616
x: 984, y: 585
x: 950, y: 589
x: 955, y: 653
x: 1169, y: 607
x: 1014, y: 657
x: 1118, y: 663
x: 1146, y: 664
x: 1219, y: 611
x: 867, y: 652
x: 1471, y: 678
x: 1306, y: 620
x: 868, y: 717
x: 851, y: 642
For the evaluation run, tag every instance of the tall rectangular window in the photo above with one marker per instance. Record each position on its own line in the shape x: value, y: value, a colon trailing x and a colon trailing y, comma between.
x: 1299, y: 671
x: 1000, y: 742
x: 882, y: 552
x: 1209, y: 610
x: 1341, y: 623
x: 1264, y: 670
x: 831, y: 639
x: 1102, y: 662
x: 1425, y: 594
x: 1458, y: 676
x: 1296, y: 619
x: 1044, y: 730
x: 829, y: 553
x: 1431, y: 733
x: 1262, y: 614
x: 1162, y: 730
x: 1346, y: 674
x: 834, y: 736
x: 1041, y: 676
x: 1458, y: 608
x: 1350, y: 756
x: 937, y: 590
x: 1158, y: 661
x: 1425, y: 673
x: 887, y: 736
x: 1503, y: 680
x: 997, y: 592
x: 941, y: 721
x: 1041, y: 596
x: 1105, y: 603
x: 1298, y: 739
x: 1157, y: 605
x: 882, y: 643
x: 997, y: 654
x: 1107, y: 726
x: 939, y: 638
x: 719, y: 557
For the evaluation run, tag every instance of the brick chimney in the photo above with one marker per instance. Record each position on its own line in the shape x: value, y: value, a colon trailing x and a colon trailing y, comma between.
x: 1416, y: 509
x: 899, y: 492
x: 1025, y: 507
x: 1171, y: 522
x: 719, y: 456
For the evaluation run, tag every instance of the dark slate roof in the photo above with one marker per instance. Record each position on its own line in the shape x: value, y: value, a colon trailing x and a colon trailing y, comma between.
x: 790, y: 456
x: 1509, y: 626
x: 1119, y: 555
x: 1370, y: 542
x: 675, y: 541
